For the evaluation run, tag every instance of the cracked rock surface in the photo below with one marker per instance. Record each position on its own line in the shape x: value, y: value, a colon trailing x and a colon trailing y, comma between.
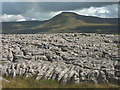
x: 68, y: 57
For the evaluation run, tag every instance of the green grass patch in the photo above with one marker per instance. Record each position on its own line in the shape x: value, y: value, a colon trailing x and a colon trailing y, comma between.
x: 118, y: 46
x: 84, y: 34
x: 22, y: 82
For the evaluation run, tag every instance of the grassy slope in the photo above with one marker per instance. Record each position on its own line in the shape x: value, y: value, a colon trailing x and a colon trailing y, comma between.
x: 68, y: 21
x: 64, y: 22
x: 20, y: 82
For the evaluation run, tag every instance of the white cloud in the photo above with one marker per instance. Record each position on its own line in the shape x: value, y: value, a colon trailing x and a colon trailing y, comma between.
x: 21, y: 19
x: 7, y: 18
x: 110, y: 11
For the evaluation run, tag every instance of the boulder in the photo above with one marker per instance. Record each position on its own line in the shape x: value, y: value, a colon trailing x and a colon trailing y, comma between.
x: 93, y: 76
x: 10, y: 56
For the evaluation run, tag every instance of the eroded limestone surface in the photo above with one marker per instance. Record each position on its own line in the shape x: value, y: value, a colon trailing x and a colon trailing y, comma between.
x: 64, y: 57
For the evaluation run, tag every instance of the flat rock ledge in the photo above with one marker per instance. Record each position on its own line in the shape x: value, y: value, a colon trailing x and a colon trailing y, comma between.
x: 66, y: 58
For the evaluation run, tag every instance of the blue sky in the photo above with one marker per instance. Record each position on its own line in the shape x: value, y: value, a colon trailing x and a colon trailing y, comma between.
x: 25, y: 11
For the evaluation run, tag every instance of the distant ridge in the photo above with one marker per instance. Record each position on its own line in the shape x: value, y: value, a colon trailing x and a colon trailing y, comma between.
x: 64, y: 22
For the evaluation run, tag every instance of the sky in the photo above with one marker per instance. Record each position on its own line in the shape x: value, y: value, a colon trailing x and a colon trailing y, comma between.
x: 60, y: 0
x: 27, y: 11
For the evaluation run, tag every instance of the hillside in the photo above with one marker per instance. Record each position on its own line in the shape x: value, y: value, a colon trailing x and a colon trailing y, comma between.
x: 64, y: 22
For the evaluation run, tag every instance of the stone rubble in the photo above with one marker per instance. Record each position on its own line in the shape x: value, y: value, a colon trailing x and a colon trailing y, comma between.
x: 67, y: 58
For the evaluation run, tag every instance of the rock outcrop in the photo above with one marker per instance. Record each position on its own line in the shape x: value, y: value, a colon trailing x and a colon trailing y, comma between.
x: 67, y: 58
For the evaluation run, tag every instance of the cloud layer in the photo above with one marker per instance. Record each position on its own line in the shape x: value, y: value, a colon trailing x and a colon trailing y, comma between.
x: 8, y: 18
x: 109, y: 11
